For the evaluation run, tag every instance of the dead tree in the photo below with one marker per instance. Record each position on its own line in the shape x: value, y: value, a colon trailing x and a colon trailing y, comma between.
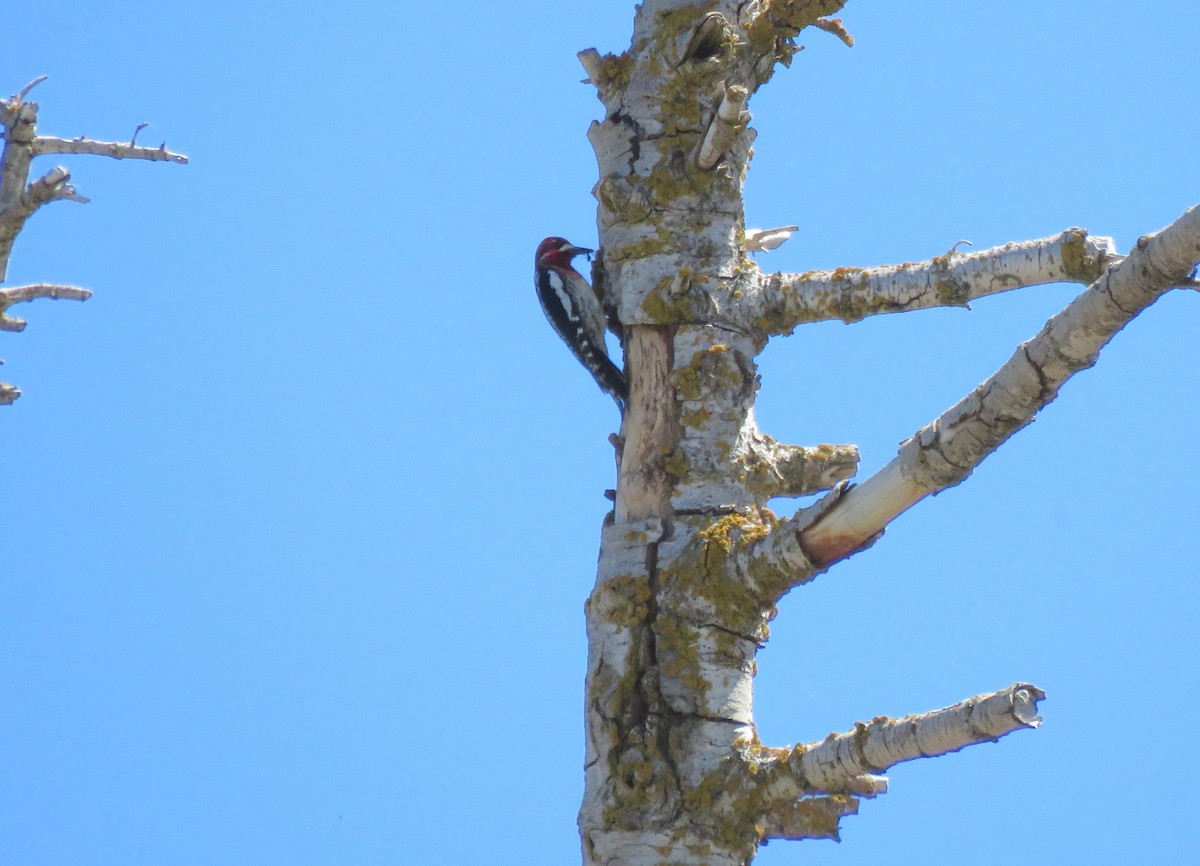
x: 20, y: 198
x: 692, y: 564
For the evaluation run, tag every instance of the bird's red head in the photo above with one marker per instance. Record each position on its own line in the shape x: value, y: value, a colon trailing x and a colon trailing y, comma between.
x: 557, y: 253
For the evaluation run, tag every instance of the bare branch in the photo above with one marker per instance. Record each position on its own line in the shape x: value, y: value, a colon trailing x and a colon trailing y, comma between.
x: 803, y: 792
x: 778, y: 469
x: 776, y: 23
x: 136, y: 130
x: 21, y: 294
x: 44, y: 145
x: 52, y: 186
x: 731, y: 118
x: 945, y: 452
x: 950, y: 280
x: 830, y: 764
x: 589, y: 58
x: 20, y: 95
x: 723, y: 460
x: 835, y: 26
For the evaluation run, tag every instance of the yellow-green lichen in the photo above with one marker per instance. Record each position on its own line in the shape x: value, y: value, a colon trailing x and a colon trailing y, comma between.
x: 642, y: 249
x: 675, y: 464
x: 710, y: 369
x: 666, y: 308
x: 679, y: 654
x: 737, y: 530
x: 673, y: 22
x: 734, y: 803
x: 762, y: 35
x: 729, y: 646
x: 675, y: 177
x: 614, y: 71
x: 1077, y: 263
x: 763, y: 477
x: 850, y: 274
x: 951, y: 294
x: 704, y: 570
x: 687, y: 382
x: 680, y: 106
x: 623, y: 600
x: 680, y: 109
x: 617, y: 195
x: 837, y: 295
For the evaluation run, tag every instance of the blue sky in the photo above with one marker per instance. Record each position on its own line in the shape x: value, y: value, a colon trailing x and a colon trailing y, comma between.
x: 303, y: 505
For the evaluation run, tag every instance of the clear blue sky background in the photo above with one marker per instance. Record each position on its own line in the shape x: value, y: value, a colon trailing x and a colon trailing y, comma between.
x: 302, y: 507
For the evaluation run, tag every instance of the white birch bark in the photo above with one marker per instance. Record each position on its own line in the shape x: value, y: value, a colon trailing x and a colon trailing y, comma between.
x: 21, y: 198
x: 946, y: 451
x: 951, y: 280
x: 691, y: 561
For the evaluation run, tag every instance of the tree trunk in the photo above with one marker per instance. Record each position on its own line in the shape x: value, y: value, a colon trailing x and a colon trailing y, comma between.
x: 692, y: 563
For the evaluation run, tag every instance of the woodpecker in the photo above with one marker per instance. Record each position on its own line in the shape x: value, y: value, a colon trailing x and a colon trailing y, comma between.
x: 575, y: 312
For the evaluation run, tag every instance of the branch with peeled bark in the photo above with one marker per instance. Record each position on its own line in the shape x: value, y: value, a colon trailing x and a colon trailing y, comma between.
x: 945, y: 452
x: 731, y: 118
x: 952, y: 280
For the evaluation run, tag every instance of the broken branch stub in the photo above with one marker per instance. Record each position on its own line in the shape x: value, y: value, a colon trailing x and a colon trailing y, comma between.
x: 20, y: 294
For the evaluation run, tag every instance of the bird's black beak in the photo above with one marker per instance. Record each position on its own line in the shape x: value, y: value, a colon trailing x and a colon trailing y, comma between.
x: 580, y: 251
